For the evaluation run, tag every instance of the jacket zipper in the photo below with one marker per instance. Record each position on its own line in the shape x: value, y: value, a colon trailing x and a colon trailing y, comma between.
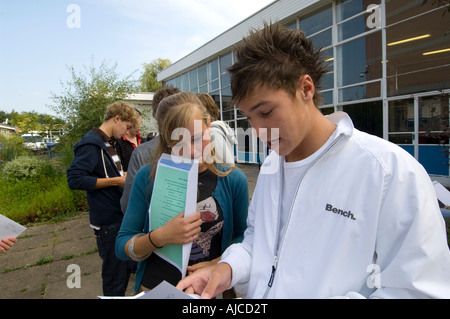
x: 278, y: 243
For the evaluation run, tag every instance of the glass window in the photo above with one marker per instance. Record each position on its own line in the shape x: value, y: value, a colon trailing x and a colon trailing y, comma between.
x: 327, y: 110
x: 327, y: 97
x: 401, y: 115
x: 226, y: 94
x: 228, y: 115
x: 193, y: 81
x: 215, y: 84
x: 420, y: 81
x: 170, y: 82
x: 418, y: 54
x: 360, y: 92
x: 213, y: 68
x: 346, y: 9
x: 357, y: 19
x: 400, y: 10
x: 244, y: 136
x: 322, y: 39
x: 231, y: 124
x: 178, y: 82
x: 227, y: 107
x: 351, y: 28
x: 185, y: 82
x: 202, y: 75
x: 359, y: 60
x: 316, y: 21
x: 434, y: 119
x: 216, y: 97
x: 367, y: 117
x: 401, y: 138
x: 225, y: 63
x: 292, y: 25
x: 328, y: 78
x: 225, y: 79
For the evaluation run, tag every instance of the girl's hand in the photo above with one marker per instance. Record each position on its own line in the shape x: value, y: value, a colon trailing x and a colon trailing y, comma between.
x: 7, y: 243
x: 179, y: 230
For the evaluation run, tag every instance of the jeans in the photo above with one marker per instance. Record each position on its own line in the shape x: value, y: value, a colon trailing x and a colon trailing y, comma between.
x: 445, y: 212
x: 115, y: 272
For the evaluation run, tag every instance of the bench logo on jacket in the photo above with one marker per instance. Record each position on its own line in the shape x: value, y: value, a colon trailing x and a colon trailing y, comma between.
x: 339, y: 211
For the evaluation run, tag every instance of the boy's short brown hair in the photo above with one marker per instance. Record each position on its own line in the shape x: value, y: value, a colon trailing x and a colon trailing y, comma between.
x: 277, y: 57
x: 161, y: 94
x: 125, y: 110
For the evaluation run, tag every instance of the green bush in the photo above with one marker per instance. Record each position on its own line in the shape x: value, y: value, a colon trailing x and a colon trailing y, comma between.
x: 11, y: 147
x: 27, y: 167
x: 32, y: 190
x: 66, y: 154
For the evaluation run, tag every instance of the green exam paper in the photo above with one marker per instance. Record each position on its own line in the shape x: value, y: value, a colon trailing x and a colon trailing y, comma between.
x: 174, y: 192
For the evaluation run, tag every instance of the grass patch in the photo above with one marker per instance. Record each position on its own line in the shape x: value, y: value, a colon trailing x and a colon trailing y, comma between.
x: 43, y: 260
x: 40, y: 194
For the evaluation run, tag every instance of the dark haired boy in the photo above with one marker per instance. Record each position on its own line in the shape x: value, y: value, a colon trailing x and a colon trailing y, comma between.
x: 336, y: 212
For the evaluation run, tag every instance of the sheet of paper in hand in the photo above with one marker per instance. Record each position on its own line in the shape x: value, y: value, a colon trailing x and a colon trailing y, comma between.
x: 174, y: 191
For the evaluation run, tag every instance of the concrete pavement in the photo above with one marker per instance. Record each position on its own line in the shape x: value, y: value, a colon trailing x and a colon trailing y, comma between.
x: 38, y: 266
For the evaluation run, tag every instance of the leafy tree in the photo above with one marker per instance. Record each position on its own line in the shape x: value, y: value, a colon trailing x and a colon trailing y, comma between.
x: 27, y: 121
x: 32, y: 121
x: 84, y: 98
x: 149, y: 83
x: 3, y: 116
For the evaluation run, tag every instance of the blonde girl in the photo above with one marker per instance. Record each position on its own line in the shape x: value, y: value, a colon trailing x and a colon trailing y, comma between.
x: 222, y: 199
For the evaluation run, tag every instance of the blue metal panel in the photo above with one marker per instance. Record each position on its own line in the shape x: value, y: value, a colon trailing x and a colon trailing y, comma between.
x: 408, y: 148
x: 434, y: 159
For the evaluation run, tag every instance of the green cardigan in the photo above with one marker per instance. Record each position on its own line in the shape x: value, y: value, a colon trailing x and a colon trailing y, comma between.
x: 231, y: 193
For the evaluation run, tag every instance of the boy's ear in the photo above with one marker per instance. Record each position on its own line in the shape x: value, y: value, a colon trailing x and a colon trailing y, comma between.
x: 116, y: 118
x: 307, y: 88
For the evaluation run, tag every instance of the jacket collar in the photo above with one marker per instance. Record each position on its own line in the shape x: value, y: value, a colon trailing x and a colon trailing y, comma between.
x: 344, y: 123
x: 344, y: 127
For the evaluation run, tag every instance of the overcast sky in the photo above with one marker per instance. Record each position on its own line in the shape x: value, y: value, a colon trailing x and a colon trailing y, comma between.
x: 39, y: 38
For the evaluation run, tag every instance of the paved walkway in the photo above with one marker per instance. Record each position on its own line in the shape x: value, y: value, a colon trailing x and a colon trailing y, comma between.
x: 38, y: 265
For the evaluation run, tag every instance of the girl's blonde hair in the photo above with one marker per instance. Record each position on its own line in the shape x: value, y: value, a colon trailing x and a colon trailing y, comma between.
x: 174, y: 112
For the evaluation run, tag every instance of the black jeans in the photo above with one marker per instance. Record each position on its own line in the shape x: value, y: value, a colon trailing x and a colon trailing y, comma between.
x: 115, y: 272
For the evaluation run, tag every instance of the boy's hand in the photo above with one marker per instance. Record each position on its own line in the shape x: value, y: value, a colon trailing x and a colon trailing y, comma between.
x: 207, y: 282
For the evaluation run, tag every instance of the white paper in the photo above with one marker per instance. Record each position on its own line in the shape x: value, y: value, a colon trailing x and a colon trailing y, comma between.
x: 9, y: 228
x: 175, y: 191
x: 442, y: 193
x: 163, y: 291
x: 138, y: 296
x: 166, y: 291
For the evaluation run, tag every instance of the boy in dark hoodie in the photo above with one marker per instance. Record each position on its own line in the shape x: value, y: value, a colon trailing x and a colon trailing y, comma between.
x: 96, y: 169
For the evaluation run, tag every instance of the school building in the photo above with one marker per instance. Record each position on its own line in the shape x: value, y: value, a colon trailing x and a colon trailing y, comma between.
x: 389, y: 69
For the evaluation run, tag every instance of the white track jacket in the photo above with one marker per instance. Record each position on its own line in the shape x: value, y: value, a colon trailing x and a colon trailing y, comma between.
x: 364, y: 223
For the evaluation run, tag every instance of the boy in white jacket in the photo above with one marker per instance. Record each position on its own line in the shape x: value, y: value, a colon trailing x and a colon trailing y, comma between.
x: 336, y: 212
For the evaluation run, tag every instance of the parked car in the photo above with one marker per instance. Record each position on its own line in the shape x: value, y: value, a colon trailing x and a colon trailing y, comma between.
x: 34, y: 142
